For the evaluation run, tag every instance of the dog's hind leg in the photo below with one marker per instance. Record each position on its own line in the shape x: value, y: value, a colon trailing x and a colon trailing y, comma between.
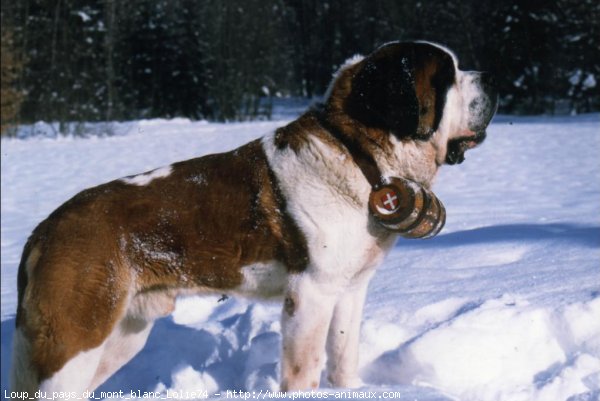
x: 123, y: 344
x: 130, y: 334
x: 64, y: 321
x: 73, y: 379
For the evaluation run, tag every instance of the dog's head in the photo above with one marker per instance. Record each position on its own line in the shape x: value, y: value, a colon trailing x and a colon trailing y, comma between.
x: 415, y: 91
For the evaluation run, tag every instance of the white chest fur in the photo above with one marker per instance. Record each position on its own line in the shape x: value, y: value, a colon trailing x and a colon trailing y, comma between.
x: 327, y: 196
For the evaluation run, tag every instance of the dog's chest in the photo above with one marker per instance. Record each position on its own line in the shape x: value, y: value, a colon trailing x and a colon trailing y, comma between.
x: 326, y: 195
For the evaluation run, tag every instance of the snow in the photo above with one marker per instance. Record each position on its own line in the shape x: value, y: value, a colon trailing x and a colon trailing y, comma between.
x: 577, y: 78
x: 147, y: 178
x: 589, y: 82
x: 84, y: 17
x: 503, y: 305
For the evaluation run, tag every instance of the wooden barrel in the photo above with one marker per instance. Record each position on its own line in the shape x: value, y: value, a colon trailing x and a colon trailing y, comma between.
x: 407, y: 208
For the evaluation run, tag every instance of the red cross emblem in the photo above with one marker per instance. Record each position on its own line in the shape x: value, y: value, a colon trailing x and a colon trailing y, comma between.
x: 390, y: 200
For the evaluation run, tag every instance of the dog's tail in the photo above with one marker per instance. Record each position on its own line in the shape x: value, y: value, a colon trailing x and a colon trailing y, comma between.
x: 23, y: 378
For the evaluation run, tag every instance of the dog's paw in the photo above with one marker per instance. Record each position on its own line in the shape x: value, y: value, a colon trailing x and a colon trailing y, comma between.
x: 345, y: 381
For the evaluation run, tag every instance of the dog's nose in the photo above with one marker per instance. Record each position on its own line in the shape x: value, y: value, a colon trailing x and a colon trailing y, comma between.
x: 488, y: 80
x: 489, y: 86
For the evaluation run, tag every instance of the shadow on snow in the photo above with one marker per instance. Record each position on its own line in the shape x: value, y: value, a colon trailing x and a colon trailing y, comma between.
x: 575, y: 234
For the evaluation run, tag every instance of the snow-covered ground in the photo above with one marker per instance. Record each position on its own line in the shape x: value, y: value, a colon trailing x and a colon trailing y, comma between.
x: 503, y: 305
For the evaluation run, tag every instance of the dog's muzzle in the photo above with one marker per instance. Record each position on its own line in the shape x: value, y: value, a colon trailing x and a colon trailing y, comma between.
x: 481, y: 111
x: 483, y: 107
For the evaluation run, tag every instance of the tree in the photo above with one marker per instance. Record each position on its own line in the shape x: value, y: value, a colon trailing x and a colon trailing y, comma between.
x: 11, y: 96
x: 245, y: 56
x: 224, y: 60
x: 577, y: 73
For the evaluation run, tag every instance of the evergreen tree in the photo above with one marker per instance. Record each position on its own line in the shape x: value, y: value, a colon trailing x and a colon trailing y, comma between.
x: 11, y: 97
x: 224, y: 59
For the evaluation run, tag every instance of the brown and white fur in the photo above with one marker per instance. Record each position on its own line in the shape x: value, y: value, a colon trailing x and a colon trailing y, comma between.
x: 285, y: 215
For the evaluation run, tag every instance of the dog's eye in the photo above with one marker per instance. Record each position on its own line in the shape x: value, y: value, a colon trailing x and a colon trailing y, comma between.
x: 423, y: 110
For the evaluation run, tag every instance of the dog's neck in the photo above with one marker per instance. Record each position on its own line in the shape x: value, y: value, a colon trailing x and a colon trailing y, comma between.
x: 353, y: 142
x: 378, y: 153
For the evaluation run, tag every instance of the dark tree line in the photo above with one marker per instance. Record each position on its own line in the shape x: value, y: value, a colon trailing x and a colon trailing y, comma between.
x: 102, y: 60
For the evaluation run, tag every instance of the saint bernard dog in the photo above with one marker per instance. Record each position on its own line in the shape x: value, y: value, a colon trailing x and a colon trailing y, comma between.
x: 286, y: 215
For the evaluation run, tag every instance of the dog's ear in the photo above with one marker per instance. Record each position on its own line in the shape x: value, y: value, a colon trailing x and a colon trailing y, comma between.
x: 383, y: 91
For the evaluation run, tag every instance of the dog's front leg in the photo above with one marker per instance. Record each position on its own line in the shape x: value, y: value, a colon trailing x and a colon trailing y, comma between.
x: 344, y: 336
x: 307, y: 311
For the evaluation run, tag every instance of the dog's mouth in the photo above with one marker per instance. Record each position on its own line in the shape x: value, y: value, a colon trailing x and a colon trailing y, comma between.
x: 455, y: 153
